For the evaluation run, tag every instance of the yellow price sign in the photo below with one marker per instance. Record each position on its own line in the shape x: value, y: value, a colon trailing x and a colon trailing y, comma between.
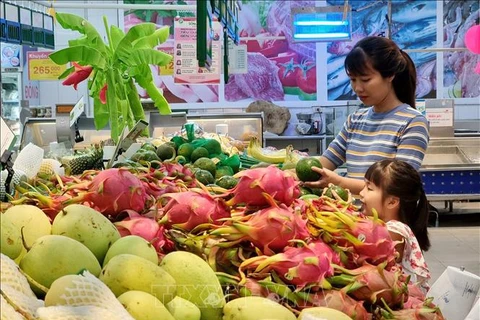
x: 40, y: 67
x: 168, y: 69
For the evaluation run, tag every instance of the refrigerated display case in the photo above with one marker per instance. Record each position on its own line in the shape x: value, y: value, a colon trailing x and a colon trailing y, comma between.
x: 10, y: 98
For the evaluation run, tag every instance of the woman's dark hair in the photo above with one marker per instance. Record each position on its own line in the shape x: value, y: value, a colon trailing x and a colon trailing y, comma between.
x: 399, y: 179
x: 384, y: 56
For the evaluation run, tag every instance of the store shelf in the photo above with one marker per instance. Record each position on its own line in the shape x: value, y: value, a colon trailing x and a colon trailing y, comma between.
x: 299, y: 137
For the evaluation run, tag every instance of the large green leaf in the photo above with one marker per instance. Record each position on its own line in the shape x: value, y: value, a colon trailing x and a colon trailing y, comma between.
x: 142, y: 75
x: 81, y: 54
x: 112, y: 106
x: 136, y: 32
x: 158, y: 99
x: 66, y: 73
x: 134, y: 99
x: 77, y: 23
x: 151, y: 41
x: 117, y: 35
x: 147, y: 56
x: 100, y: 113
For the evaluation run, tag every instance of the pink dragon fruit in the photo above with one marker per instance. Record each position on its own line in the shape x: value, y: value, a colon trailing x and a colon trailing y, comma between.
x: 147, y: 228
x: 338, y: 300
x: 268, y: 229
x: 368, y: 237
x: 254, y: 183
x: 307, y: 265
x: 113, y: 191
x: 421, y: 313
x: 186, y: 210
x: 373, y: 284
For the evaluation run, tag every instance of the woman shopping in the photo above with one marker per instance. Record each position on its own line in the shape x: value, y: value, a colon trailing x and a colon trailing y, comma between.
x: 384, y: 78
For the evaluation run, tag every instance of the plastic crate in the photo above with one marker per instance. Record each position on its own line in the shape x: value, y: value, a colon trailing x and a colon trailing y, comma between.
x: 13, y: 32
x: 27, y: 34
x: 444, y: 182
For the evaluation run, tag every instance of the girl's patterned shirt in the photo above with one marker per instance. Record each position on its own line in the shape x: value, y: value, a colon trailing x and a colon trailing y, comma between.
x: 413, y: 261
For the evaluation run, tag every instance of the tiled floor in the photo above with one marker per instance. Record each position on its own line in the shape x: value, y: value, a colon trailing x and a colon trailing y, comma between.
x: 453, y: 246
x: 456, y: 242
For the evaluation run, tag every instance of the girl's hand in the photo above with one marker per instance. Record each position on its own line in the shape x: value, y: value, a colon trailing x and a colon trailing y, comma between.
x: 327, y: 177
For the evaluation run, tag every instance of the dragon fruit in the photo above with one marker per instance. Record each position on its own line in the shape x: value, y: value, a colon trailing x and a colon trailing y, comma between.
x: 254, y: 183
x: 113, y: 191
x: 368, y: 237
x: 186, y: 210
x: 147, y: 228
x: 421, y: 313
x: 338, y: 300
x: 307, y: 265
x: 373, y: 284
x: 268, y: 229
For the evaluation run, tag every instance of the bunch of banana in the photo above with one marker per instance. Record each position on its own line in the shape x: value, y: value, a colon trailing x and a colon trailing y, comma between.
x: 255, y: 150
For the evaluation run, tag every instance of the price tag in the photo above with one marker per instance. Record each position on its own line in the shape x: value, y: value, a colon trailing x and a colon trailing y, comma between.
x: 40, y: 67
x: 77, y: 111
x: 168, y: 69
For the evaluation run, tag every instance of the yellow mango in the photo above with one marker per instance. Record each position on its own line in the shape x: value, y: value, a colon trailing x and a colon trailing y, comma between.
x: 126, y: 272
x: 144, y: 306
x: 87, y: 226
x: 322, y: 313
x: 53, y: 256
x: 11, y: 239
x: 182, y: 309
x: 196, y: 282
x: 132, y: 245
x: 256, y: 308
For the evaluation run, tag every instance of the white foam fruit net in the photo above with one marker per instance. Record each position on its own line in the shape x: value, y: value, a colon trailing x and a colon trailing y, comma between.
x: 8, y: 312
x: 29, y: 160
x: 88, y: 291
x: 77, y: 313
x: 15, y: 287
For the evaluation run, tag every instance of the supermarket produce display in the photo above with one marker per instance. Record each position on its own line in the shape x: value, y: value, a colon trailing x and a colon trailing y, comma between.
x: 193, y: 227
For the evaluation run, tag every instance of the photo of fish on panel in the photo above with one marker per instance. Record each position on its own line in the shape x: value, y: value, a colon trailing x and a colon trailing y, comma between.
x: 413, y: 25
x: 459, y: 80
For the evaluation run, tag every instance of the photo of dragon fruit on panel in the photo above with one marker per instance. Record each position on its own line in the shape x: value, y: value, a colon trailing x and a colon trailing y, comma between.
x: 282, y: 70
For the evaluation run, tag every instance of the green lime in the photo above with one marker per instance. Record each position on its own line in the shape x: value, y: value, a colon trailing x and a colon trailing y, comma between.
x: 212, y: 146
x: 198, y: 153
x: 304, y: 169
x: 223, y: 171
x: 342, y: 193
x: 206, y: 164
x: 227, y: 182
x: 185, y: 150
x: 204, y: 176
x: 166, y: 151
x: 148, y: 146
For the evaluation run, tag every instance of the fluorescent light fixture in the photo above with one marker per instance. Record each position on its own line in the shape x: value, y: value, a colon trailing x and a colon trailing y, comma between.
x: 320, y: 35
x: 321, y: 23
x: 327, y: 23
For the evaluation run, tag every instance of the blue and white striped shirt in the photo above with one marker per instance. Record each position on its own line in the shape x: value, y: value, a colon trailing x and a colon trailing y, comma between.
x: 368, y: 137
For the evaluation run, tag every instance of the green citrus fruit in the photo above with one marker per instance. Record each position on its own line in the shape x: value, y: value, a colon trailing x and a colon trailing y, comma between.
x: 304, y: 169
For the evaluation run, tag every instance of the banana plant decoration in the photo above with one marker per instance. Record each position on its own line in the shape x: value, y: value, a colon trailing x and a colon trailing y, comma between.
x: 112, y: 69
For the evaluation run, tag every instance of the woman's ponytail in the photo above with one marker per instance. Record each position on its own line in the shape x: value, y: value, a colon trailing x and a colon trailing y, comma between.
x: 405, y: 80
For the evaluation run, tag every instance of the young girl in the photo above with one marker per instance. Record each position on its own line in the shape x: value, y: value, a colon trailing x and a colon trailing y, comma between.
x: 394, y: 188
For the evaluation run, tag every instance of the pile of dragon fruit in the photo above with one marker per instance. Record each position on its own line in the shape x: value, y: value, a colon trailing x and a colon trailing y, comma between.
x: 261, y: 238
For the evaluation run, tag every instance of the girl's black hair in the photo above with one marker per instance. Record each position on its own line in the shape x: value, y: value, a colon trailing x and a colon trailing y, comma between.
x: 399, y: 179
x: 384, y: 56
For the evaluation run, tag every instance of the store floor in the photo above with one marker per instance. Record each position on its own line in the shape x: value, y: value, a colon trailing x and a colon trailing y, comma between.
x: 456, y: 242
